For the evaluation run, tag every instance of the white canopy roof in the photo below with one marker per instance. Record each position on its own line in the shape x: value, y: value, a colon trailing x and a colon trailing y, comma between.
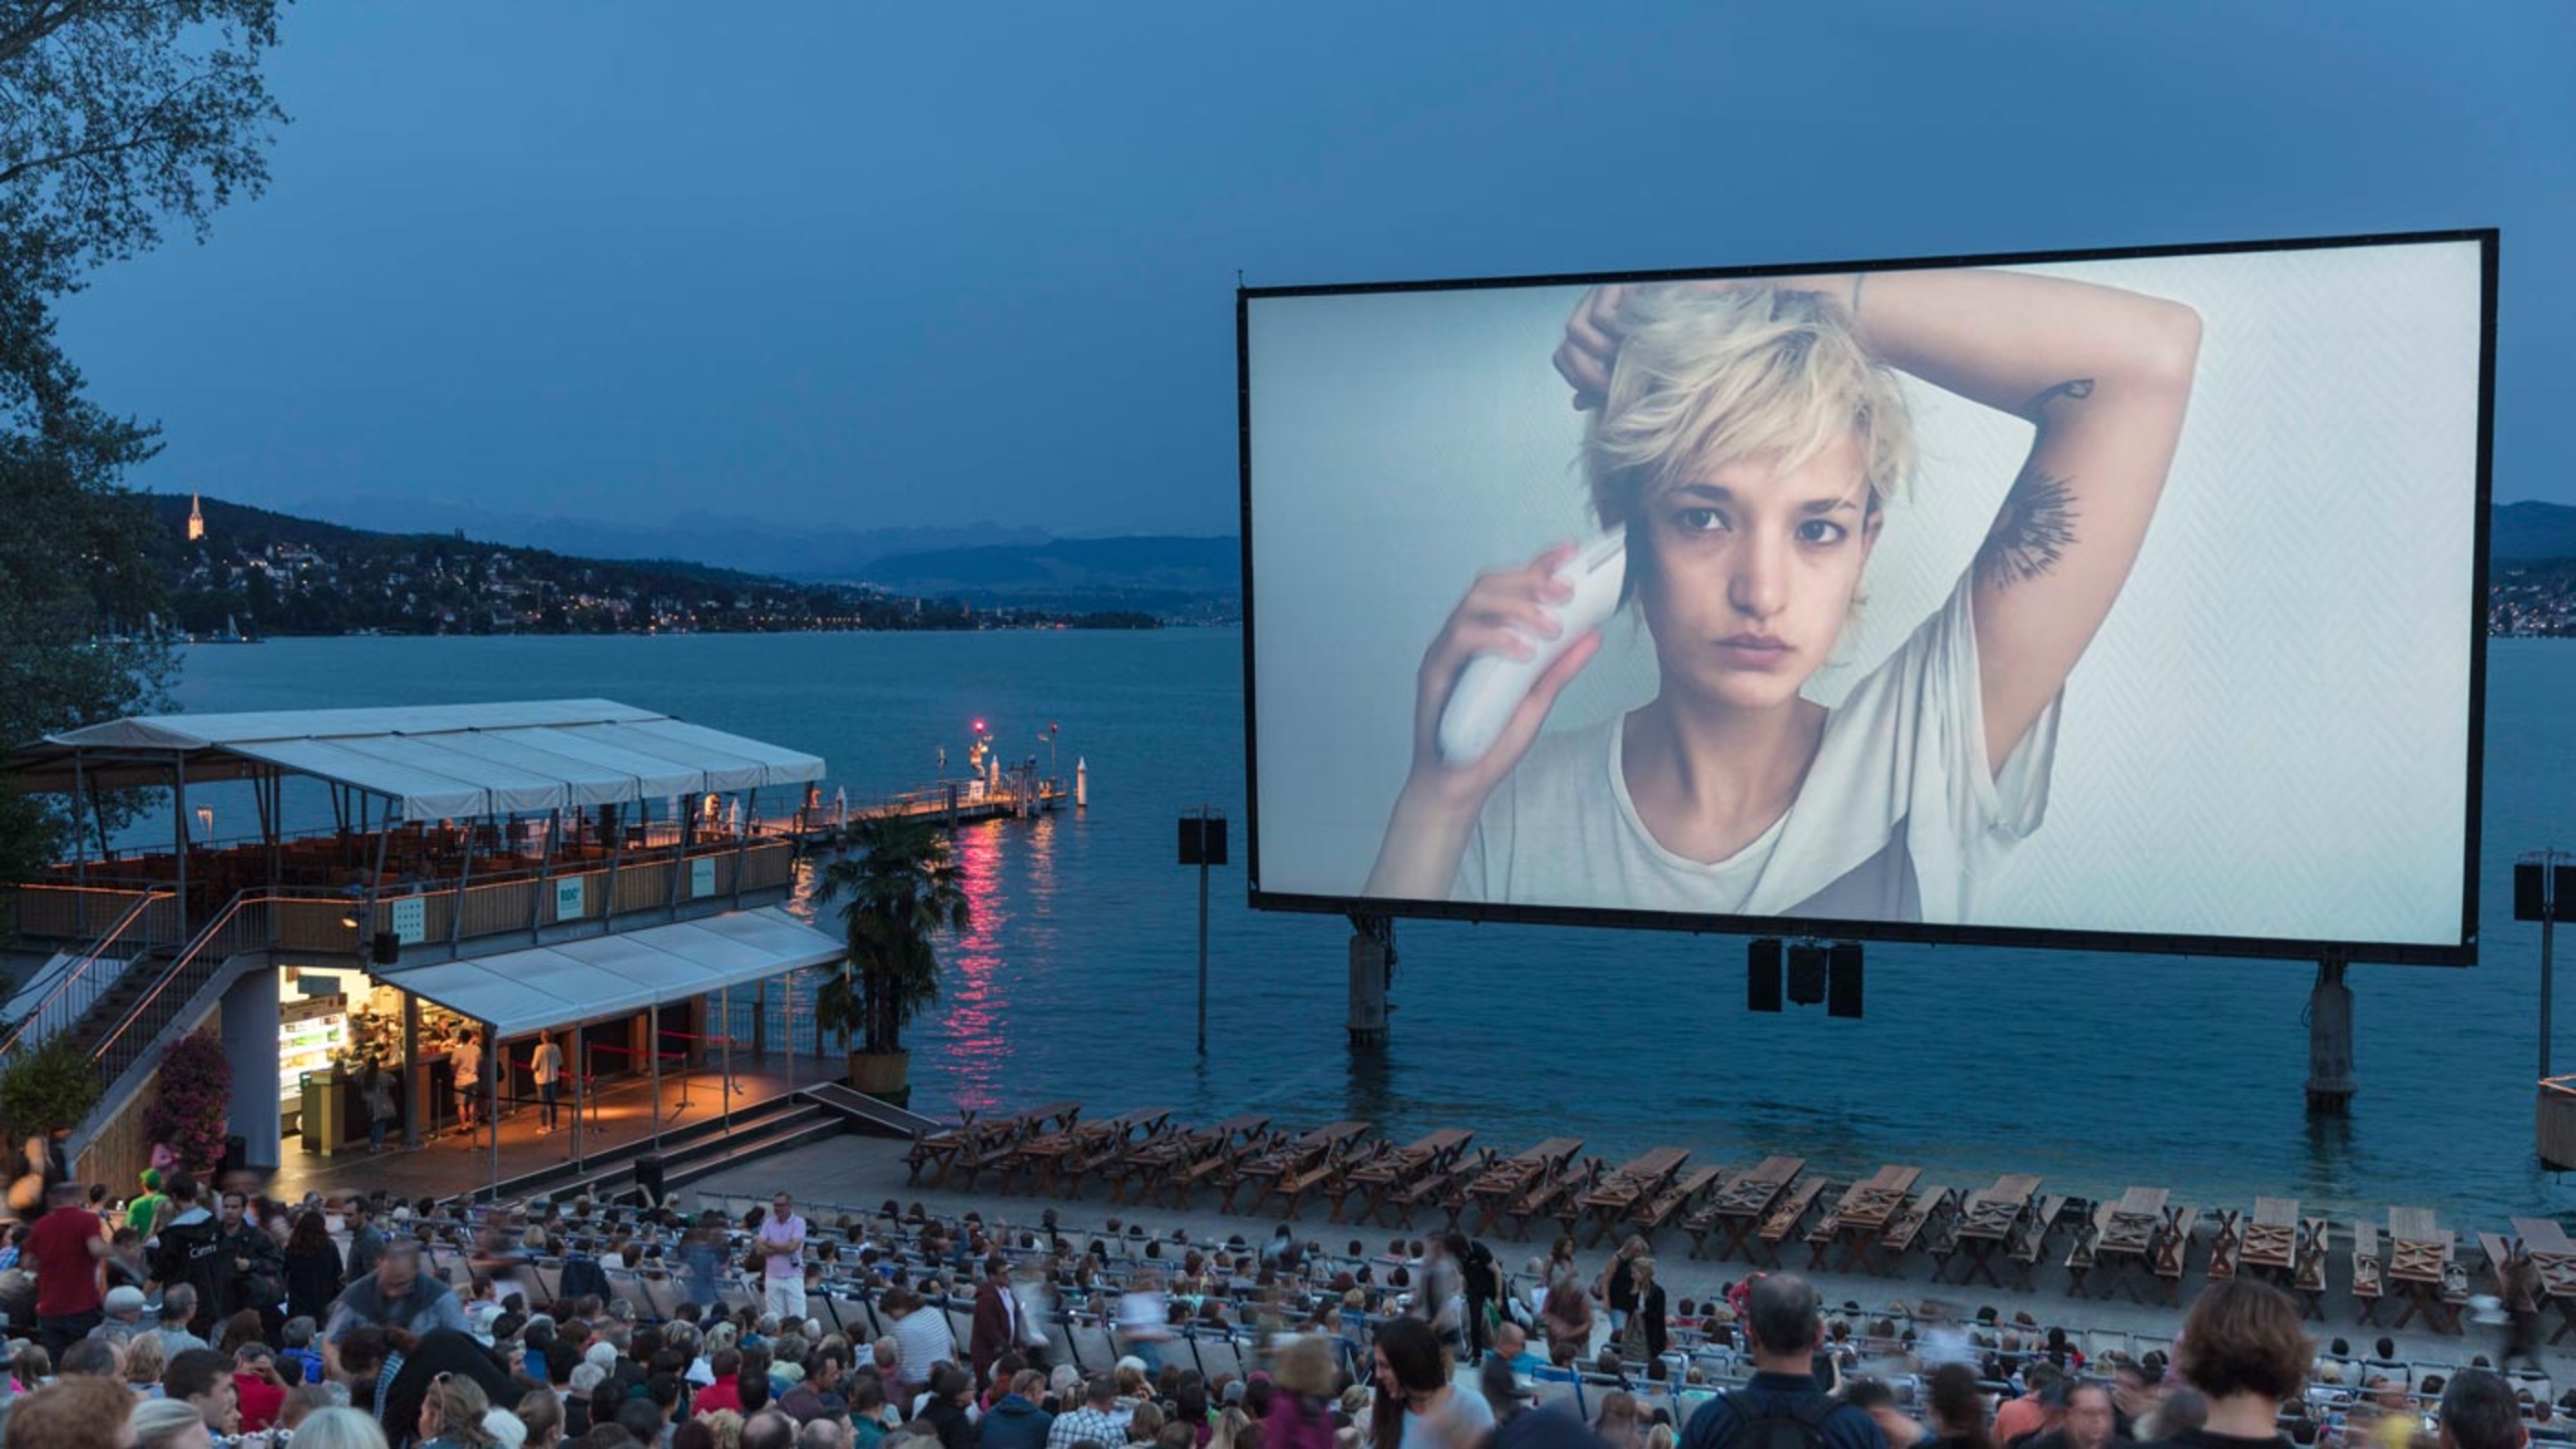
x: 435, y: 761
x: 602, y: 976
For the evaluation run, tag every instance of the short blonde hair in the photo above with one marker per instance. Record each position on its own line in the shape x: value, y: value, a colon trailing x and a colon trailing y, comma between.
x: 1704, y: 377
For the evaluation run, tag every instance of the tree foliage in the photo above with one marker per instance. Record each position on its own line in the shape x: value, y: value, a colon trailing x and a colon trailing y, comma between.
x: 118, y: 119
x: 899, y: 888
x: 49, y: 1087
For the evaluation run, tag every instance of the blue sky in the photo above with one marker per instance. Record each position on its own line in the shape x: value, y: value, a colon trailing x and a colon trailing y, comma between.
x: 880, y: 265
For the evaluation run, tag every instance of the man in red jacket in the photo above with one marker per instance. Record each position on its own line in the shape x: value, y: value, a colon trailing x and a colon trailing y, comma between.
x: 997, y: 1317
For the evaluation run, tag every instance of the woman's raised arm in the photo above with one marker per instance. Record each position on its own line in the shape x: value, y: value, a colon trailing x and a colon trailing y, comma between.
x: 2105, y: 375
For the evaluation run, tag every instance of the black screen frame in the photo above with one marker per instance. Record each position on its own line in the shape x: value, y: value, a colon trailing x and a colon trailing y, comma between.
x: 2463, y: 953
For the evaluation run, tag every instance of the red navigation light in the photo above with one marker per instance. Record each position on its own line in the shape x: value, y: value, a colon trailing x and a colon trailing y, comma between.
x: 979, y: 726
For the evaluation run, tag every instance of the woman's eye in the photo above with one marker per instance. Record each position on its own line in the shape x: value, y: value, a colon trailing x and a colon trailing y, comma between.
x: 1700, y: 520
x: 1822, y: 531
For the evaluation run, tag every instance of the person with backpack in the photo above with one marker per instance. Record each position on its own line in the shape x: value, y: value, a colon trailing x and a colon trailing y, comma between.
x: 1783, y: 1407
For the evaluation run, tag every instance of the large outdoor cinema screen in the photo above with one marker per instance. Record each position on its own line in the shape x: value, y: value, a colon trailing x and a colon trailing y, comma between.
x: 2118, y: 600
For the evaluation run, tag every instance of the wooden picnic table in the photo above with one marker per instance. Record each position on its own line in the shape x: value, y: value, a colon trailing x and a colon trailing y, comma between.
x: 1376, y: 1177
x: 1739, y: 1206
x: 2138, y: 1229
x: 1987, y: 1220
x: 1274, y: 1167
x: 972, y: 1146
x: 1160, y: 1162
x: 1065, y: 1155
x: 2271, y: 1238
x: 2419, y: 1263
x: 1503, y: 1181
x: 2550, y: 1251
x: 1864, y: 1211
x: 1634, y: 1183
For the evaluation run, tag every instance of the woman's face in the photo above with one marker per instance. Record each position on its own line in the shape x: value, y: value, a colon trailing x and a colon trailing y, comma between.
x: 1753, y: 572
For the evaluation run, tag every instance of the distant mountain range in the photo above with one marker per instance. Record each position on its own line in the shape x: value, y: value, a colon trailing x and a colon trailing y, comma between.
x: 2532, y: 531
x: 804, y: 551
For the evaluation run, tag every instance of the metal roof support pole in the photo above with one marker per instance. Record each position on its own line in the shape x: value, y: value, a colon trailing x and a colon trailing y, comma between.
x: 456, y: 902
x: 679, y: 859
x: 545, y: 875
x: 653, y: 1049
x: 742, y: 844
x: 580, y: 1088
x: 492, y: 1102
x: 415, y: 1096
x: 179, y: 826
x: 616, y: 855
x: 80, y: 852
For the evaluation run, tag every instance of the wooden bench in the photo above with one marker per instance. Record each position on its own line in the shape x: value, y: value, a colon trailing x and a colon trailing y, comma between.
x: 1820, y: 1238
x: 2367, y: 1279
x: 2172, y: 1251
x: 1683, y: 1196
x: 1557, y: 1195
x: 2081, y: 1257
x: 1445, y: 1188
x: 2308, y: 1271
x: 1786, y: 1214
x: 2029, y: 1240
x: 2050, y: 1210
x: 2223, y: 1251
x: 1906, y: 1227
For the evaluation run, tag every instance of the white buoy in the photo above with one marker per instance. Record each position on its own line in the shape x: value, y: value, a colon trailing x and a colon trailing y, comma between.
x: 1081, y: 784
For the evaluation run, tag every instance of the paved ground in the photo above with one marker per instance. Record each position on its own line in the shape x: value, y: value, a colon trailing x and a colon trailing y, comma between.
x: 860, y: 1173
x: 620, y: 1115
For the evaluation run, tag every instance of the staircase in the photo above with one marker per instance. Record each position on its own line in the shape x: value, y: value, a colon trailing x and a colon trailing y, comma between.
x: 689, y: 1153
x: 98, y: 982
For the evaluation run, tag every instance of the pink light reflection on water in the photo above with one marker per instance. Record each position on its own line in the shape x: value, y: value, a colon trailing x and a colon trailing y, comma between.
x: 976, y: 1050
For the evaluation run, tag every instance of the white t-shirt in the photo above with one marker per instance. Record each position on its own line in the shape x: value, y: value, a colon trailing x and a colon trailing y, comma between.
x: 469, y: 1063
x: 1467, y: 1410
x: 1897, y: 820
x: 546, y: 1063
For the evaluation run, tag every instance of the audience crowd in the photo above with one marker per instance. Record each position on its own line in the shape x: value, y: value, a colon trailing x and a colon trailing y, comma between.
x: 191, y: 1319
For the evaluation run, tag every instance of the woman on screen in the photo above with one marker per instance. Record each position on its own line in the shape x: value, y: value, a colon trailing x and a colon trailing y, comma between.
x: 1745, y: 440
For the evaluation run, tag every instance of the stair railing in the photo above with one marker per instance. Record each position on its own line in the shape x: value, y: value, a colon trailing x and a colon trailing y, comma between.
x: 85, y: 978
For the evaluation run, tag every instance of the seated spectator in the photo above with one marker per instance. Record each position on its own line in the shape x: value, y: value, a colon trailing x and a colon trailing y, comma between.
x: 76, y: 1413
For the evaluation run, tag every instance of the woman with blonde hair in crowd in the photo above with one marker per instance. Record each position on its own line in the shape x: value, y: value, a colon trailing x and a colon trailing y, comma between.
x: 451, y: 1414
x: 1617, y: 1421
x: 1616, y: 1287
x: 340, y: 1429
x: 1301, y: 1413
x: 542, y: 1412
x: 147, y: 1357
x: 167, y: 1424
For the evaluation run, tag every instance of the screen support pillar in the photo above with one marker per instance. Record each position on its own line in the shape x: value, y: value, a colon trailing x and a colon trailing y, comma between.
x: 1372, y: 972
x: 2330, y: 1079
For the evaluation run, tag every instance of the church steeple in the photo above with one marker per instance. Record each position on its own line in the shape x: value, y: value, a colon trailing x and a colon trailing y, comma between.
x: 196, y: 520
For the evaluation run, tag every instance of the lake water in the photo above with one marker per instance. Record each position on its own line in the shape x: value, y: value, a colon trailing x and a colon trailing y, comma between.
x: 1078, y: 977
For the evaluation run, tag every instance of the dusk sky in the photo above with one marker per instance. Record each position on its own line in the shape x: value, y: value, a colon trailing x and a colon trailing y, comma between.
x: 880, y: 265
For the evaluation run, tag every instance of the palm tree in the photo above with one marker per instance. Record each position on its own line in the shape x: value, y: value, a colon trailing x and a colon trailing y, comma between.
x: 902, y: 886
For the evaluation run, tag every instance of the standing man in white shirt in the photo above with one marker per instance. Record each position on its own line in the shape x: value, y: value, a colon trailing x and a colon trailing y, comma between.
x: 467, y: 1059
x: 546, y: 1067
x: 782, y: 1261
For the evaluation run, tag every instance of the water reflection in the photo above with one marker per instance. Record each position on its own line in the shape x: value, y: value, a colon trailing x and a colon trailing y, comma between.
x: 974, y: 1056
